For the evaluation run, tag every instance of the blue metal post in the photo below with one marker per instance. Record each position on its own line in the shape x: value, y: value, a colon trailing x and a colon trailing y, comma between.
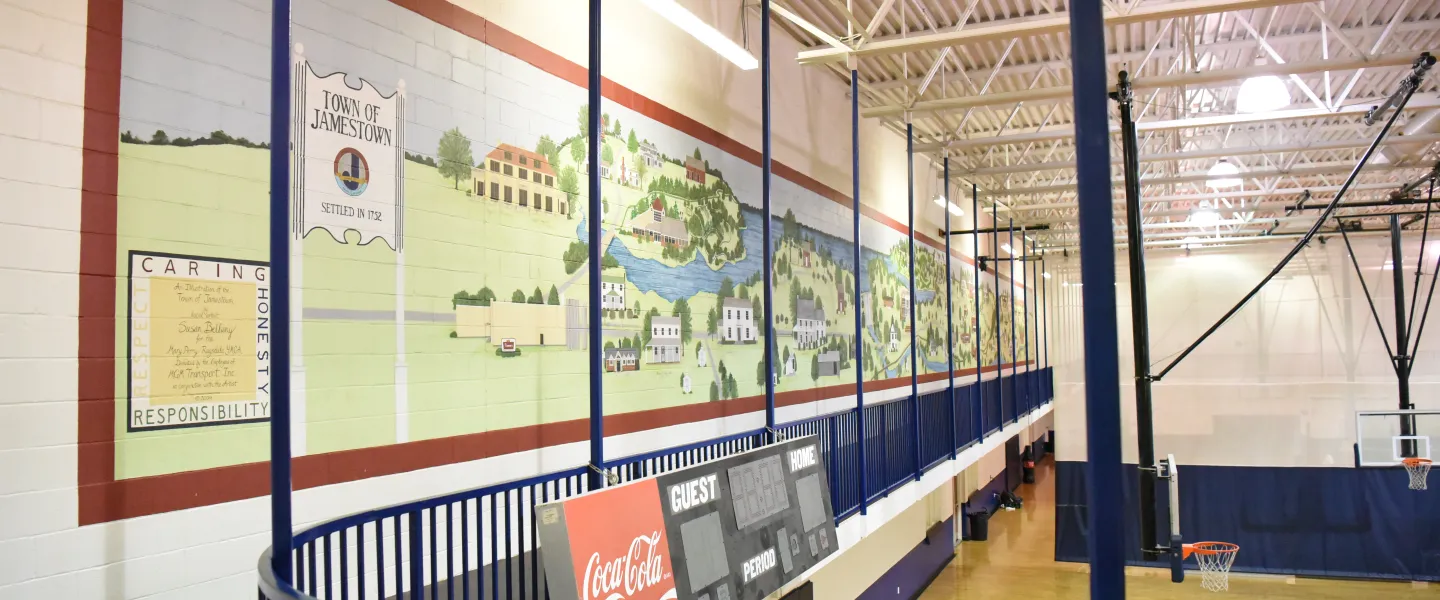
x: 595, y: 219
x: 1106, y: 504
x: 280, y: 238
x: 977, y: 408
x: 767, y: 256
x: 859, y: 270
x: 1025, y: 313
x: 949, y: 313
x: 914, y: 299
x: 1014, y: 362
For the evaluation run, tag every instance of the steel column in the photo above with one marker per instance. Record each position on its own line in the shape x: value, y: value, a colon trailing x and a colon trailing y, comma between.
x: 949, y: 315
x: 914, y: 299
x: 595, y: 219
x: 1105, y: 502
x: 768, y: 254
x: 1402, y: 336
x: 1139, y: 315
x: 281, y: 234
x: 859, y: 269
x: 1014, y: 362
x: 979, y: 363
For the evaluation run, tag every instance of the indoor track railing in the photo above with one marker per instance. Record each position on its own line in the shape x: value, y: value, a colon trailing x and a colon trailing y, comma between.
x: 481, y: 543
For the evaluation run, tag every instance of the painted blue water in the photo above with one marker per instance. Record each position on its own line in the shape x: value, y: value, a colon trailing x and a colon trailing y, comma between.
x: 672, y: 283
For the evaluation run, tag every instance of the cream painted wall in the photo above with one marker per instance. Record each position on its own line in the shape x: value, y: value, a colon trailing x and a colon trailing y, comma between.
x: 849, y: 574
x: 1276, y: 386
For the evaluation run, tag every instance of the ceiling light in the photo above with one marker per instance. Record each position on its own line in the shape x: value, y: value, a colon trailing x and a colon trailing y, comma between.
x: 1047, y: 274
x: 1262, y: 94
x: 955, y: 210
x: 1190, y: 242
x: 1204, y: 216
x: 940, y: 201
x: 1006, y: 248
x: 702, y: 31
x: 1389, y: 265
x: 1223, y: 175
x: 1064, y: 284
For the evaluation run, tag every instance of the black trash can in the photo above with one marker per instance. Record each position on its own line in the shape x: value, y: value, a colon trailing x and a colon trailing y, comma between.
x: 1028, y: 472
x: 980, y: 525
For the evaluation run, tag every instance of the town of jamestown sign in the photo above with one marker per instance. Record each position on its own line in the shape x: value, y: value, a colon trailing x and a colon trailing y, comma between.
x: 350, y: 158
x: 198, y: 341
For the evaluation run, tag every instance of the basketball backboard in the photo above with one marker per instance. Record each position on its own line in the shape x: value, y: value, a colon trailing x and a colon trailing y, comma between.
x: 1384, y: 438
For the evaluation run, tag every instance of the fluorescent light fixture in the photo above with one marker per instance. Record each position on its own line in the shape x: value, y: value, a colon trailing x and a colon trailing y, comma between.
x: 941, y: 202
x: 1223, y: 175
x: 702, y: 31
x: 1389, y: 265
x: 1204, y: 216
x: 1047, y: 274
x: 1190, y: 242
x: 1064, y: 284
x: 1265, y: 93
x: 1006, y: 248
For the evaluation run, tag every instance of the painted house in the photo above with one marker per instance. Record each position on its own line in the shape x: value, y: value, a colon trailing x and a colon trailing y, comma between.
x: 829, y: 363
x: 840, y: 295
x: 519, y: 177
x: 904, y: 300
x: 650, y: 154
x: 612, y: 292
x: 809, y: 324
x: 894, y: 339
x: 737, y: 321
x: 605, y: 170
x: 622, y: 359
x: 656, y: 225
x: 628, y: 174
x: 865, y: 302
x: 664, y: 340
x: 790, y: 365
x: 695, y: 170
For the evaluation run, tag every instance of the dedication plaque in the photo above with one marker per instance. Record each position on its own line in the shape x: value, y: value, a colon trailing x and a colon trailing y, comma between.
x: 738, y: 528
x: 198, y: 341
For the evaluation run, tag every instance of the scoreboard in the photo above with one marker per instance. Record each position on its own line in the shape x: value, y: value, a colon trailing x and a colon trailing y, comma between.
x: 737, y: 528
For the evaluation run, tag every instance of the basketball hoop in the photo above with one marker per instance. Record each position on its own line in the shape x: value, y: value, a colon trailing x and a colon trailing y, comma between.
x: 1215, y: 559
x: 1418, y: 468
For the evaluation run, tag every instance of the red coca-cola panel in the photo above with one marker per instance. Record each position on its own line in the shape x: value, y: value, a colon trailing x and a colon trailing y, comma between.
x: 618, y: 545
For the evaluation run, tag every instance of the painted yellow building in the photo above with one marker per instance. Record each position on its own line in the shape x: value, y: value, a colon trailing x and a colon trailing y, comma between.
x: 521, y: 178
x: 527, y: 324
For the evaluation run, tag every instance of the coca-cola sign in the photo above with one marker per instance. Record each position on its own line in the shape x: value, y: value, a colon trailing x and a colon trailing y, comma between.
x: 618, y: 547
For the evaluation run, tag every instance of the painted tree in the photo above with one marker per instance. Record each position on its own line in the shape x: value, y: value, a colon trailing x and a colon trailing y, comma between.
x: 554, y: 298
x: 633, y: 144
x: 727, y: 288
x: 455, y: 157
x: 606, y: 154
x: 577, y: 148
x: 570, y: 184
x: 537, y: 297
x: 545, y: 146
x: 697, y: 153
x: 584, y: 121
x: 518, y: 297
x: 714, y: 392
x: 815, y: 367
x: 682, y: 310
x: 711, y: 321
x: 645, y: 329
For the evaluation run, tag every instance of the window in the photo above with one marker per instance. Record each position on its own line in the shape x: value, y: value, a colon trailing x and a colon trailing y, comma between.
x: 729, y: 332
x: 549, y: 181
x: 539, y: 164
x: 508, y: 156
x: 523, y: 160
x: 495, y: 166
x: 549, y: 204
x: 494, y: 191
x: 508, y: 171
x: 537, y: 177
x: 523, y: 196
x: 524, y: 174
x: 508, y: 190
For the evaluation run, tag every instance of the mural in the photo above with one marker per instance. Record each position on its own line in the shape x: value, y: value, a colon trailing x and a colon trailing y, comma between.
x: 440, y: 253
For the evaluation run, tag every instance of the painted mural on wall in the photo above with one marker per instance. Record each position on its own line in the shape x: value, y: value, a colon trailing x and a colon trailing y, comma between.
x: 441, y: 249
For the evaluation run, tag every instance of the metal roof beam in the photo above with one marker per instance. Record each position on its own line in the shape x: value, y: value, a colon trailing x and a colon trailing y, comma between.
x: 1026, y: 27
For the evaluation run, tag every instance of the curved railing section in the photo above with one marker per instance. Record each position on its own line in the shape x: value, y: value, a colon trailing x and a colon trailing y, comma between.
x: 482, y: 543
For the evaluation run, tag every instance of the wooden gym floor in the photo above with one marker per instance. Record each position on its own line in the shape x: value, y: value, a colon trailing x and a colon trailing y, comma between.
x: 1017, y: 562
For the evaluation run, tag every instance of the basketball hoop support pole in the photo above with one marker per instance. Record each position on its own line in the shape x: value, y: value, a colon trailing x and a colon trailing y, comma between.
x: 1139, y: 317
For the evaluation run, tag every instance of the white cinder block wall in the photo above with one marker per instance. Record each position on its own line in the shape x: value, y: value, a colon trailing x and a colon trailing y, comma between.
x: 42, y: 87
x: 1276, y: 386
x: 210, y: 552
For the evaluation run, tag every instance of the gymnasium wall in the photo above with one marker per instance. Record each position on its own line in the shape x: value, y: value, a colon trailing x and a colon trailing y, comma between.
x: 1261, y: 417
x: 134, y: 141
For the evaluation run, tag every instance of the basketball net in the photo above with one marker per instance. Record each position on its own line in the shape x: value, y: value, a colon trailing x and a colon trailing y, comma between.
x: 1215, y: 559
x: 1418, y: 468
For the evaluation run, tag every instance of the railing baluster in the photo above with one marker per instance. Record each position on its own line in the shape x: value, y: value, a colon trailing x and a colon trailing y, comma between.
x: 465, y: 548
x: 360, y: 561
x: 310, y: 565
x: 494, y: 546
x: 399, y: 560
x: 449, y: 550
x: 344, y: 570
x: 417, y: 555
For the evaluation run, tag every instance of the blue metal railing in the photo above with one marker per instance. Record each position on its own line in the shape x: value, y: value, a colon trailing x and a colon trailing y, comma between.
x: 480, y: 543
